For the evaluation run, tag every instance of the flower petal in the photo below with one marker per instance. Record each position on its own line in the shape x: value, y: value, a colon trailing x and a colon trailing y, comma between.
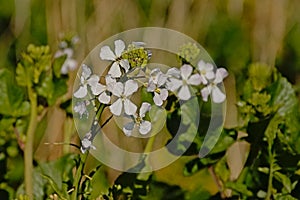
x: 110, y: 82
x: 80, y: 108
x: 145, y: 107
x: 104, y: 98
x: 173, y: 72
x: 217, y: 95
x: 205, y: 92
x: 131, y: 86
x: 210, y: 74
x: 163, y: 94
x: 119, y: 47
x: 107, y: 54
x: 209, y: 67
x: 118, y: 89
x: 157, y: 99
x: 129, y: 107
x: 162, y: 79
x: 86, y: 71
x: 116, y: 107
x: 195, y: 79
x: 186, y: 71
x: 114, y: 70
x: 69, y: 52
x: 221, y: 73
x: 81, y: 92
x: 184, y: 93
x: 201, y: 65
x: 127, y: 129
x: 151, y: 87
x: 72, y: 63
x: 97, y: 89
x: 174, y: 84
x: 154, y: 75
x: 64, y: 69
x: 93, y: 80
x: 125, y: 65
x: 145, y: 127
x: 203, y: 79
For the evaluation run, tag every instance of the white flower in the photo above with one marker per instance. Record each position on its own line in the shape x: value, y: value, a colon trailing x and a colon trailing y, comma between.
x: 206, y: 71
x: 81, y: 108
x: 182, y: 83
x: 144, y: 126
x: 88, y: 79
x: 70, y: 64
x: 213, y: 89
x: 107, y: 54
x: 123, y: 91
x: 156, y: 84
x: 86, y: 143
x: 104, y: 97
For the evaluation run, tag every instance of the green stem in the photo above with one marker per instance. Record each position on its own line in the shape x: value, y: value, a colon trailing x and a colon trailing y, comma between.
x: 149, y: 145
x: 78, y: 175
x: 28, y: 152
x: 270, y: 181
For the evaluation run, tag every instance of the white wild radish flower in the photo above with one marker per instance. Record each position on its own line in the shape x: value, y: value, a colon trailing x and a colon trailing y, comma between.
x: 81, y: 108
x: 69, y: 64
x: 212, y: 88
x: 107, y: 54
x: 105, y: 95
x: 87, y: 79
x: 123, y: 91
x: 206, y: 71
x: 182, y: 83
x: 138, y: 121
x: 156, y: 85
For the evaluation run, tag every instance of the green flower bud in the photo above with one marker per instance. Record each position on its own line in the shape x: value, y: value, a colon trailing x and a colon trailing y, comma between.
x: 188, y: 52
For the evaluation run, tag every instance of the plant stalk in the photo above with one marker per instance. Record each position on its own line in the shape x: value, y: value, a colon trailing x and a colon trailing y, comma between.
x: 28, y: 152
x: 78, y: 176
x: 149, y: 145
x: 270, y: 181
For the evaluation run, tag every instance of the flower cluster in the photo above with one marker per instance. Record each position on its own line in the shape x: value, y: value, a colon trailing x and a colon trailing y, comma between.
x: 128, y: 71
x: 67, y: 50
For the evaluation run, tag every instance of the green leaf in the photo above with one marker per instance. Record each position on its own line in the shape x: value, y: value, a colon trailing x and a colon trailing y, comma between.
x: 197, y: 164
x: 12, y: 97
x: 21, y: 75
x: 264, y: 170
x: 57, y: 64
x: 286, y: 182
x: 99, y: 183
x: 45, y: 89
x: 284, y: 197
x: 158, y: 118
x: 60, y: 88
x: 239, y: 187
x: 6, y: 123
x: 183, y: 127
x: 57, y: 172
x: 54, y: 187
x: 222, y: 171
x: 226, y: 139
x: 286, y: 102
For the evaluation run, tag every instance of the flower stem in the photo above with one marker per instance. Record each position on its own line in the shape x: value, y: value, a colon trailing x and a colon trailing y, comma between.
x: 270, y: 181
x: 28, y: 152
x: 78, y: 175
x: 149, y: 145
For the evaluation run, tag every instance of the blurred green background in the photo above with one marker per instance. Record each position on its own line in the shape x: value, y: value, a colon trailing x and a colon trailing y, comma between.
x: 234, y: 32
